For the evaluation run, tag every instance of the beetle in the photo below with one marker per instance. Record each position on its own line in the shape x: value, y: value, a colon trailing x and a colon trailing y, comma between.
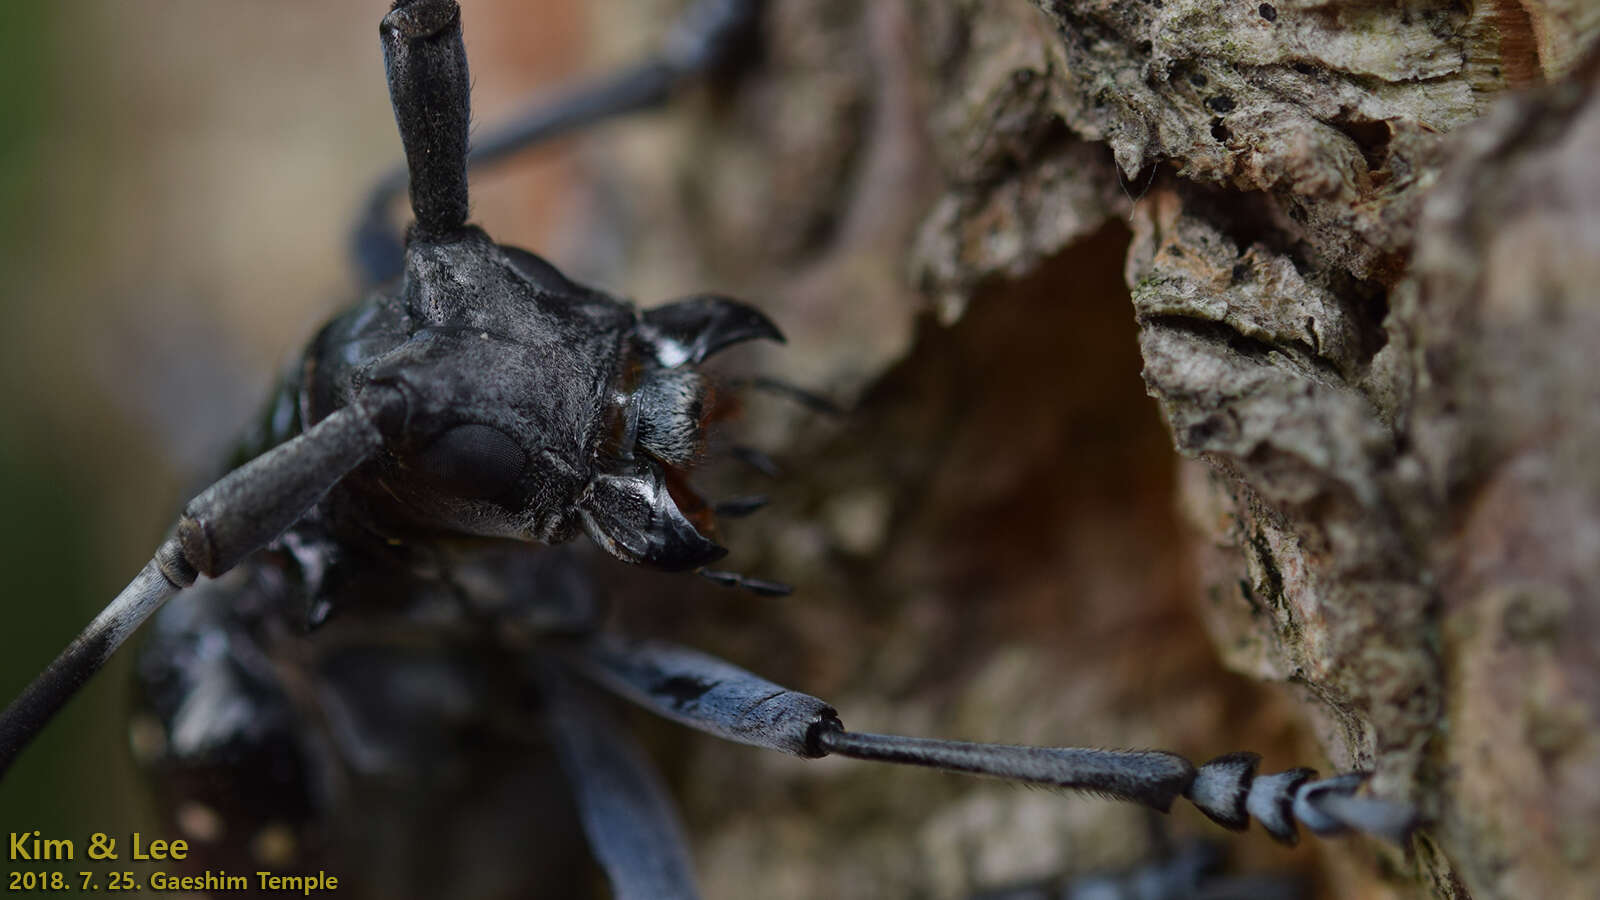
x: 489, y: 397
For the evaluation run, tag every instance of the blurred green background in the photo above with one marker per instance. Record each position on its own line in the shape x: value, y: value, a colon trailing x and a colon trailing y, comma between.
x: 175, y: 184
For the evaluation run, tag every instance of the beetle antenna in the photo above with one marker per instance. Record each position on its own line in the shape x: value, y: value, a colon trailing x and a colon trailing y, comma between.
x: 722, y: 699
x: 228, y: 521
x: 162, y: 577
x: 711, y: 36
x: 426, y: 64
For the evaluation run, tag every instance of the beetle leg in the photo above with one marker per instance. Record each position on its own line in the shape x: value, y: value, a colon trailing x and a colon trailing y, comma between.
x: 811, y: 400
x: 739, y: 507
x: 760, y: 586
x: 758, y: 460
x: 631, y: 824
x: 705, y: 39
x: 722, y: 699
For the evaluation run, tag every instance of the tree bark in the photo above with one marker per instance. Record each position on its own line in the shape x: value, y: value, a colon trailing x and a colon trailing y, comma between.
x: 1361, y: 244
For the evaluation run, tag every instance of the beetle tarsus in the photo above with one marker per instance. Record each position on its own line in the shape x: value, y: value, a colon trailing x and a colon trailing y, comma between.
x: 759, y: 586
x: 739, y: 507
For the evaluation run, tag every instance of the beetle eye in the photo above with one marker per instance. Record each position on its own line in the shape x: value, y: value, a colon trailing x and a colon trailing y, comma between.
x: 473, y: 461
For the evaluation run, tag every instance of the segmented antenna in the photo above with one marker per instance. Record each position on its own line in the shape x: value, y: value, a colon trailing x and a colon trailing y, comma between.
x: 426, y: 64
x: 720, y: 698
x: 243, y: 512
x: 1226, y: 789
x: 709, y: 37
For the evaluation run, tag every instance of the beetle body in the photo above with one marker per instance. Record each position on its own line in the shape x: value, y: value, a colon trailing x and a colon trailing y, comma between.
x: 399, y: 747
x: 485, y: 399
x: 534, y: 408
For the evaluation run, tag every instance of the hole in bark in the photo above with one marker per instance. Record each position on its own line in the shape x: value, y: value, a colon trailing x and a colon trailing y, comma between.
x: 1371, y: 138
x: 1201, y: 433
x: 1372, y: 309
x: 1029, y: 420
x: 1246, y: 219
x: 1366, y: 305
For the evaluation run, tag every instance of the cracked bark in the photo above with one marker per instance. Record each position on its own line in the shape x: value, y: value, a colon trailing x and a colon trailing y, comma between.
x: 1362, y: 267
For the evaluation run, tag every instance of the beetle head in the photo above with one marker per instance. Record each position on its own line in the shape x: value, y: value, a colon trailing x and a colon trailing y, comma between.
x: 535, y: 406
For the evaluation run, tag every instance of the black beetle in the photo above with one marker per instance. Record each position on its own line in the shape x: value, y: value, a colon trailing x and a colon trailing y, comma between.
x: 487, y: 397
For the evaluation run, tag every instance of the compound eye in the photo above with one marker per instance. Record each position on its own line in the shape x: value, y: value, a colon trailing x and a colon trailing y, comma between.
x: 473, y: 461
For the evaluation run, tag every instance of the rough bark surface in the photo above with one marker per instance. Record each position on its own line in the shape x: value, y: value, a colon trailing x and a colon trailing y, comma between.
x: 1360, y: 243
